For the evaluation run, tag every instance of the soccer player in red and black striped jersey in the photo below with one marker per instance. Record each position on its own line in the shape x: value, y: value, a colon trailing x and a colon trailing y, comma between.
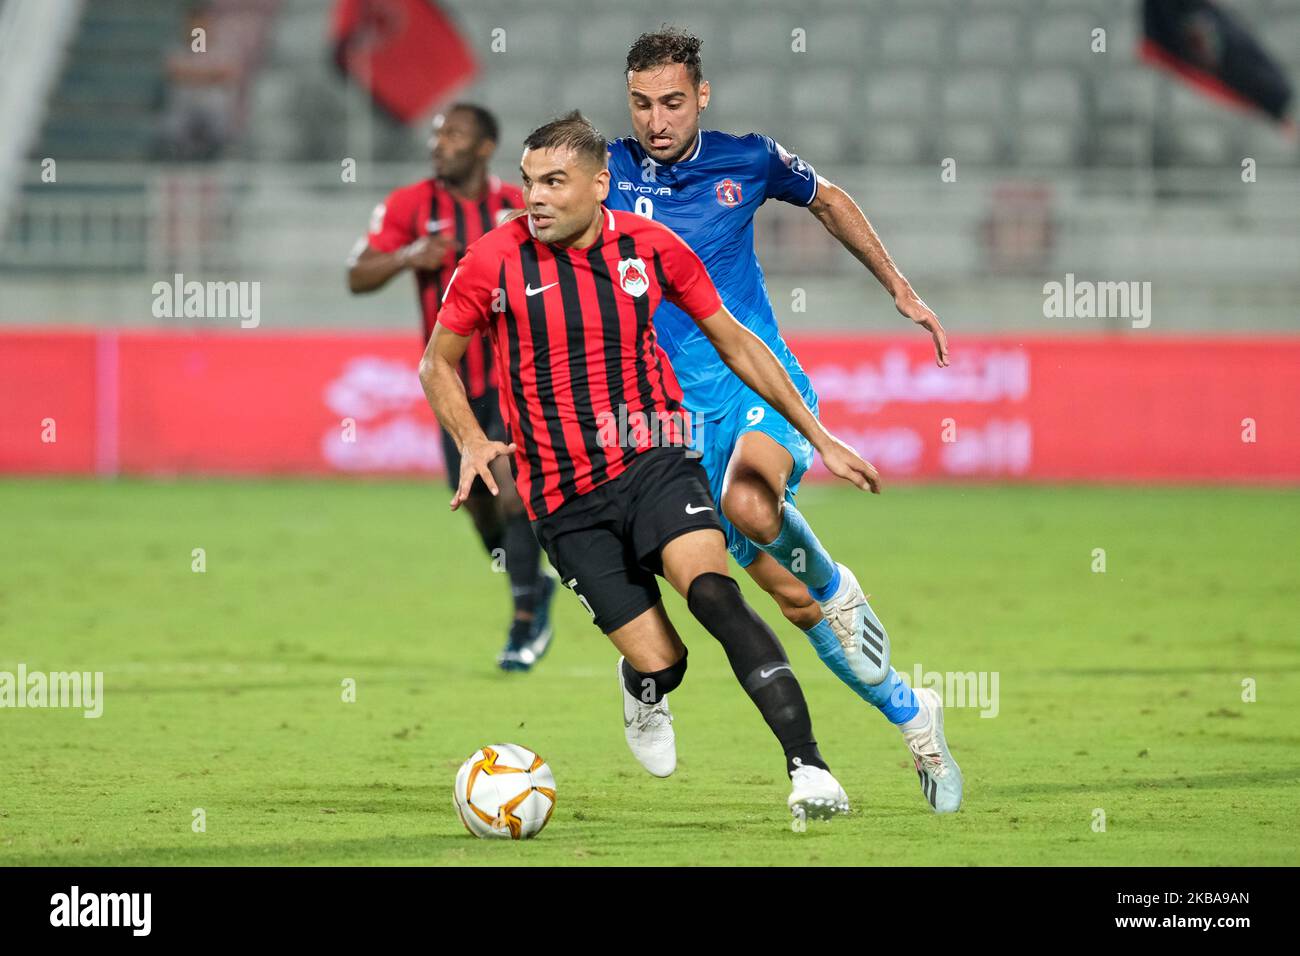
x: 424, y: 227
x: 567, y: 294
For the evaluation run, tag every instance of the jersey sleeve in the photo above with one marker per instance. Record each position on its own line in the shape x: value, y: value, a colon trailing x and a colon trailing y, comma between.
x: 686, y: 283
x: 789, y: 178
x: 392, y: 224
x: 467, y: 303
x: 512, y: 197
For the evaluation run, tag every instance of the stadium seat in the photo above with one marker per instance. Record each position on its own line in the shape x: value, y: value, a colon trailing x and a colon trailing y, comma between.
x: 976, y: 94
x: 740, y: 122
x: 1203, y: 143
x: 822, y: 142
x: 1270, y: 149
x: 1122, y: 38
x: 974, y: 8
x: 1186, y: 103
x: 606, y: 36
x: 1054, y: 93
x: 912, y: 39
x: 821, y: 94
x: 1281, y: 37
x: 895, y: 142
x: 1121, y: 93
x: 900, y: 93
x: 755, y: 41
x: 476, y: 27
x: 979, y: 144
x: 988, y: 38
x: 598, y: 92
x: 515, y: 94
x: 1125, y: 144
x: 693, y: 17
x: 1046, y: 143
x: 1064, y: 39
x: 535, y: 37
x: 757, y: 89
x: 843, y: 39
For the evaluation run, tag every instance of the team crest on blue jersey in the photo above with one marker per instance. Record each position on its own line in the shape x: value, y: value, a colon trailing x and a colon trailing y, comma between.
x: 632, y: 277
x: 728, y: 193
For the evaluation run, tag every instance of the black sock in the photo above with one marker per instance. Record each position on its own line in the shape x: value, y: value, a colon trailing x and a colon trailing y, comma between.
x: 649, y: 687
x: 491, y: 531
x: 523, y: 562
x: 759, y: 663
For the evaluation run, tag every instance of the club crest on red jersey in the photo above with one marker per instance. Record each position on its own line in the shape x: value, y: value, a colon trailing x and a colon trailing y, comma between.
x: 728, y: 193
x: 632, y: 277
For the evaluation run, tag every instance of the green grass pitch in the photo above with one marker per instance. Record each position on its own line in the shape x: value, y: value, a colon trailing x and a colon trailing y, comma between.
x: 1119, y: 692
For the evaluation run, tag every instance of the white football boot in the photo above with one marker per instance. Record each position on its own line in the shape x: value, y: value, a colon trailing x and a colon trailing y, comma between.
x: 815, y: 794
x: 649, y: 731
x: 941, y: 782
x: 865, y: 643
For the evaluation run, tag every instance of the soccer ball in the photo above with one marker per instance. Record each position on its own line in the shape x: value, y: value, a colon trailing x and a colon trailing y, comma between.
x: 504, y: 791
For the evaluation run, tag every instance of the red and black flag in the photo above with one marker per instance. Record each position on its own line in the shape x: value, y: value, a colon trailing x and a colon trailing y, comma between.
x: 407, y: 54
x: 1214, y: 52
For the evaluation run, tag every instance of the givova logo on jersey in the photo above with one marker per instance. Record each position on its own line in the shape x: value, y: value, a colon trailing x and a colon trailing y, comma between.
x: 632, y: 277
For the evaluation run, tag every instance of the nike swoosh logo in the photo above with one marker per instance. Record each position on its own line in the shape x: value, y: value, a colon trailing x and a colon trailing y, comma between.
x: 436, y: 225
x: 764, y: 675
x: 529, y: 290
x: 694, y: 511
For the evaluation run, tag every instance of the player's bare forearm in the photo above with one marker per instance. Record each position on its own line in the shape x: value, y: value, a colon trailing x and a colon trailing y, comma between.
x: 444, y: 389
x: 369, y: 269
x: 446, y: 394
x: 844, y: 220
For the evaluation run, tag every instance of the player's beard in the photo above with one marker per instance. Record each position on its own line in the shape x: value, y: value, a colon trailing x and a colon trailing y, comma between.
x: 454, y: 171
x: 565, y: 230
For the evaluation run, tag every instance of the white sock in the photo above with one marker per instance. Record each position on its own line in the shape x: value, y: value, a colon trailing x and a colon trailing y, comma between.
x: 922, y: 718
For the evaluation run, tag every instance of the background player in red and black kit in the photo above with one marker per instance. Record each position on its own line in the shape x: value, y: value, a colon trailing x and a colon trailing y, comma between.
x: 426, y: 227
x: 567, y: 294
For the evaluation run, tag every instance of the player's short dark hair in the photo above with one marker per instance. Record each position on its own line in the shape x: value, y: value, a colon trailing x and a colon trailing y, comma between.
x: 574, y: 131
x: 664, y: 46
x: 488, y: 127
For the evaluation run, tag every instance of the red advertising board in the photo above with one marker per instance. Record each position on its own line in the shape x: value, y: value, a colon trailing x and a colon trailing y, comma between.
x: 1068, y: 408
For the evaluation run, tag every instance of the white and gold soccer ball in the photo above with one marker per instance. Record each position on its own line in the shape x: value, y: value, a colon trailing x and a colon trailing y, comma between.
x: 504, y: 791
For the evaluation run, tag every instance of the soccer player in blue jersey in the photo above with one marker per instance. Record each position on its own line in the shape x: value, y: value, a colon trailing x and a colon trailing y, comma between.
x: 706, y: 186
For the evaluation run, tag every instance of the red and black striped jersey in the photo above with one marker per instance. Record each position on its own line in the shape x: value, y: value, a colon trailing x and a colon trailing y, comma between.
x: 576, y: 348
x: 425, y: 208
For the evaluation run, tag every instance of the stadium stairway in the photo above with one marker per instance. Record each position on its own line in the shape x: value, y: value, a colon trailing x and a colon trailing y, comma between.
x: 106, y: 103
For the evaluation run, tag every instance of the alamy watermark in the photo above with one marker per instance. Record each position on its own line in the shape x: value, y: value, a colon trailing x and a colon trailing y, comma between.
x: 638, y: 429
x: 55, y: 689
x: 179, y: 299
x: 1084, y: 299
x: 130, y: 910
x: 960, y: 688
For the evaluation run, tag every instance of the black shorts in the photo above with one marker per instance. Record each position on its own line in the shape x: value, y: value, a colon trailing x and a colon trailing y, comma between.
x: 487, y: 410
x: 606, y: 544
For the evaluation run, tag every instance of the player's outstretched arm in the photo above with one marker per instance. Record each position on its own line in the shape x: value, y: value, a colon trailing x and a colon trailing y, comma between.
x: 446, y: 394
x: 753, y: 362
x: 843, y: 219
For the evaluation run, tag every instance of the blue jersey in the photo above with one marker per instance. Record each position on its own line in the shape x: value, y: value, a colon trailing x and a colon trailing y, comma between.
x: 709, y: 199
